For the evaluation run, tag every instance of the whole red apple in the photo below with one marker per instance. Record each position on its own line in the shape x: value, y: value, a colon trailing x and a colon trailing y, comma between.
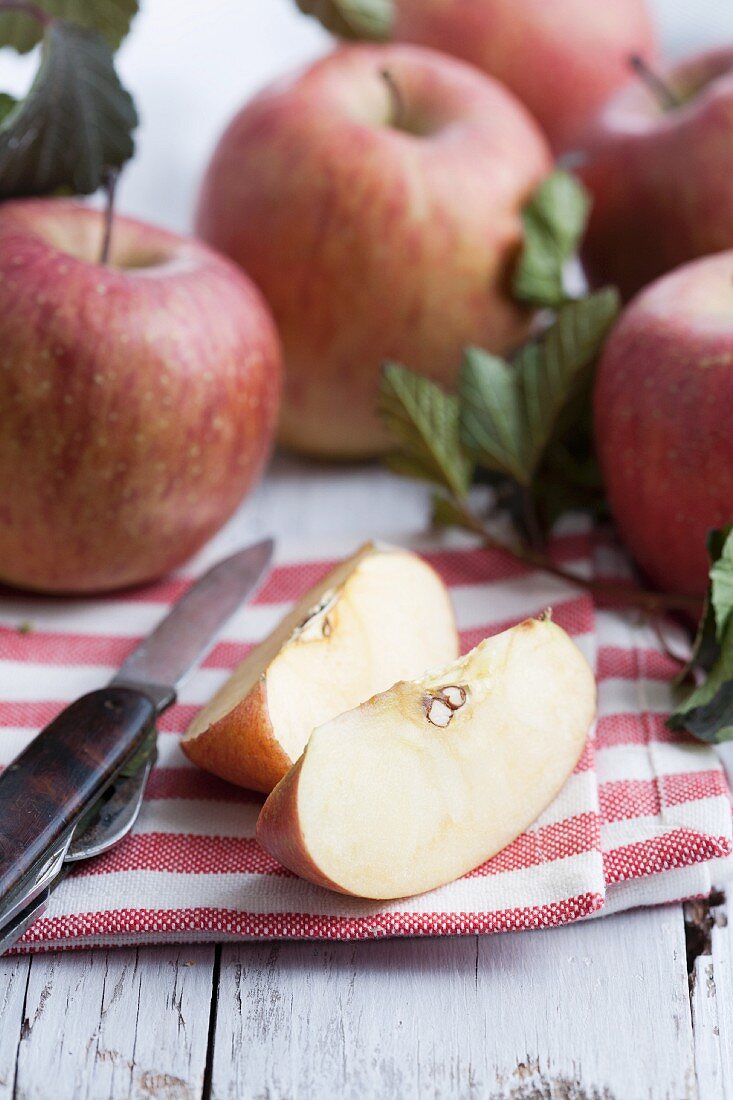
x: 376, y: 201
x: 562, y: 58
x: 661, y: 175
x: 137, y: 399
x: 663, y: 409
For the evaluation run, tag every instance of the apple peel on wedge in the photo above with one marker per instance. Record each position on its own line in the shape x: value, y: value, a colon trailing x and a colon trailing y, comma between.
x: 429, y: 779
x: 381, y: 615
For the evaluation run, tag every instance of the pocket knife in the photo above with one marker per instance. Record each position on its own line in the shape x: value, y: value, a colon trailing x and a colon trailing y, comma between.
x: 77, y: 788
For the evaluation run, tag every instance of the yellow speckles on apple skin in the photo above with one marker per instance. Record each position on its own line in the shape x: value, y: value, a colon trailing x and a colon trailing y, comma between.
x: 720, y: 359
x: 355, y: 248
x: 145, y: 458
x: 662, y: 418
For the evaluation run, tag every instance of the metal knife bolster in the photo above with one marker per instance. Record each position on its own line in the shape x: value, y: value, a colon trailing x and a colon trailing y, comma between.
x: 46, y: 789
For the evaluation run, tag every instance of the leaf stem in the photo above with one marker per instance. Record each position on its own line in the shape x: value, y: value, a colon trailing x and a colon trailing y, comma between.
x: 667, y: 99
x: 111, y: 176
x: 625, y: 594
x: 27, y: 7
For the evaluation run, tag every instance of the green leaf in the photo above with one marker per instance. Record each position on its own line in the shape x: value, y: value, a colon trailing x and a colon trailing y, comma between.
x: 721, y: 585
x: 111, y: 18
x: 509, y: 413
x: 423, y: 420
x: 707, y: 712
x: 554, y: 221
x: 706, y: 646
x: 75, y: 122
x: 353, y: 19
x: 492, y: 414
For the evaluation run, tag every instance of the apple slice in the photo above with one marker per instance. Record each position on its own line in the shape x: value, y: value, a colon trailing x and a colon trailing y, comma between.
x: 424, y: 782
x: 379, y: 616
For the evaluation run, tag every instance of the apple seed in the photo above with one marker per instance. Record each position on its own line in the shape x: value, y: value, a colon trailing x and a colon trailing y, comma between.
x: 309, y: 628
x: 438, y: 711
x: 454, y: 695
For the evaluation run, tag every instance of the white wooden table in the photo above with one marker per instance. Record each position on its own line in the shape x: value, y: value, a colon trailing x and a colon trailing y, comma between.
x: 632, y: 1007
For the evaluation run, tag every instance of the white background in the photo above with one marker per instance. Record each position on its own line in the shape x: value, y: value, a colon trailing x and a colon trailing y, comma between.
x: 191, y: 63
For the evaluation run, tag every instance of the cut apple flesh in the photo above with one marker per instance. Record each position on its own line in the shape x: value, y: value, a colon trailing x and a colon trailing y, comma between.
x: 379, y: 616
x: 426, y: 781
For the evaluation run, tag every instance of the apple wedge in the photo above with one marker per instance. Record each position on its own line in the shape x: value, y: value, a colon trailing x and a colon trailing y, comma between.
x: 427, y: 780
x: 379, y: 616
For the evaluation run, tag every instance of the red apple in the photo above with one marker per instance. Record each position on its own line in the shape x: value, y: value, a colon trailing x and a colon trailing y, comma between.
x: 661, y: 177
x: 562, y: 58
x: 663, y: 403
x: 137, y: 399
x: 380, y: 216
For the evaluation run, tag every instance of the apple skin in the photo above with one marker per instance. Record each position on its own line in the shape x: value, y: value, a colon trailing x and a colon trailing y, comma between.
x: 562, y: 58
x: 370, y: 242
x: 663, y: 401
x: 242, y: 748
x: 660, y: 180
x: 279, y: 832
x: 138, y: 400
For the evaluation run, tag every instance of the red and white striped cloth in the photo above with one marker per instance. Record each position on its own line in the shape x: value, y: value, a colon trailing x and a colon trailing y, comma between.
x: 643, y: 818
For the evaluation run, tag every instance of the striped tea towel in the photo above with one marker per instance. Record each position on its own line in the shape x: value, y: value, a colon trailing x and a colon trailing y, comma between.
x: 664, y: 798
x: 638, y: 806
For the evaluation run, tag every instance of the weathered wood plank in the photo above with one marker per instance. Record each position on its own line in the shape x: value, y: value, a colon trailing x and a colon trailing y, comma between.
x: 598, y: 1011
x: 125, y: 1023
x: 522, y: 1017
x: 13, y: 982
x: 712, y: 1007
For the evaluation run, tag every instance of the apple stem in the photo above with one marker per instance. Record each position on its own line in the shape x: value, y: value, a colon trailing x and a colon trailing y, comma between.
x: 620, y: 593
x: 398, y: 103
x: 111, y: 176
x: 661, y: 91
x: 27, y: 7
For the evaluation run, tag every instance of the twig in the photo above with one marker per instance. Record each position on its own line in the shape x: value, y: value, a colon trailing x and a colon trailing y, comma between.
x: 627, y: 595
x: 530, y: 518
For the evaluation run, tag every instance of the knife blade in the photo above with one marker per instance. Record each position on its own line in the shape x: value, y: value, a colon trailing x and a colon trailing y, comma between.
x: 181, y: 639
x: 47, y: 790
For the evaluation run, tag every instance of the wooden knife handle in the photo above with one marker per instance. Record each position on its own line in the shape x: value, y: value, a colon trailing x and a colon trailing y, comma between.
x: 62, y: 770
